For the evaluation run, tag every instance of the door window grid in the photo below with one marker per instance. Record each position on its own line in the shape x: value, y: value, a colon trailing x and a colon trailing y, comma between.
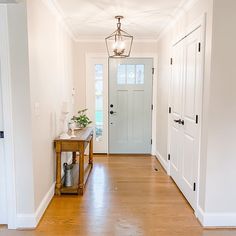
x: 130, y: 74
x: 98, y: 101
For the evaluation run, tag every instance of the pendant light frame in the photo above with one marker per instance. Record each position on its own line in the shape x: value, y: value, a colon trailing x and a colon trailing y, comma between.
x: 119, y: 36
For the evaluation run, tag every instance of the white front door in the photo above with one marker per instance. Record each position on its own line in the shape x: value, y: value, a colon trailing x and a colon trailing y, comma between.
x: 97, y: 100
x: 186, y: 107
x: 3, y: 200
x: 130, y: 105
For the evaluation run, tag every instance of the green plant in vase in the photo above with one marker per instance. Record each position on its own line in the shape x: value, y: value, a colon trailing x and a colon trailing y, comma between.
x: 81, y: 120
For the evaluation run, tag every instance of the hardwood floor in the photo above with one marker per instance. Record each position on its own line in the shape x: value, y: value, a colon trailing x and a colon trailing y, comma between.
x: 125, y: 196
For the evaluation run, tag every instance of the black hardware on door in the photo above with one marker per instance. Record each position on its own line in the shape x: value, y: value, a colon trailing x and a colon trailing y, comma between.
x: 1, y: 134
x: 178, y: 121
x: 112, y: 112
x: 111, y: 105
x: 196, y: 119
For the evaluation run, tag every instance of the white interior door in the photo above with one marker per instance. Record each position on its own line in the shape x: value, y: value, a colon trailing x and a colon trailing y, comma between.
x: 130, y: 102
x: 186, y: 106
x: 192, y: 80
x: 176, y: 107
x: 97, y: 100
x: 3, y: 200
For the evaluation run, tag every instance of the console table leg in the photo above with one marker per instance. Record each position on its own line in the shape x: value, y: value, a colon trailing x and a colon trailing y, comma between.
x: 74, y: 158
x: 81, y: 172
x: 58, y: 174
x: 91, y: 151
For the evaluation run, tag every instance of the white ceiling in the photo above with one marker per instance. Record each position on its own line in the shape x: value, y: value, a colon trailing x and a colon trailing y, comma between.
x: 94, y: 19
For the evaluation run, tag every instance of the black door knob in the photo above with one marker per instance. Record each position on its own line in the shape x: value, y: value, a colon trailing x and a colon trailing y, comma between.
x: 111, y: 112
x: 111, y: 105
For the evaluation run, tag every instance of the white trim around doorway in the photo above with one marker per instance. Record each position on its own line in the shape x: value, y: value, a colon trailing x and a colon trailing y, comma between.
x: 88, y: 56
x: 7, y: 117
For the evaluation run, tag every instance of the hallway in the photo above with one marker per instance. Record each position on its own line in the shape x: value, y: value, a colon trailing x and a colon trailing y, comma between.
x: 125, y: 195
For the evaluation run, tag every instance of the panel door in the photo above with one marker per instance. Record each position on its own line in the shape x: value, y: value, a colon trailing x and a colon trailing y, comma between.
x: 176, y: 113
x: 192, y: 80
x: 130, y: 99
x: 3, y: 200
x: 186, y: 95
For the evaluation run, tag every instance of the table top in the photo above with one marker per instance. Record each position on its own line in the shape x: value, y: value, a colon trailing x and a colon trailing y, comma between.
x: 81, y: 135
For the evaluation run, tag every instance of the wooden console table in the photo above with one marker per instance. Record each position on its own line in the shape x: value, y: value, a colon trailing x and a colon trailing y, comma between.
x: 80, y: 171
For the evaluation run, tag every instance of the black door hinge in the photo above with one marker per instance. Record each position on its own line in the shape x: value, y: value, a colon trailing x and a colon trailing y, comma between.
x: 153, y: 70
x: 169, y: 110
x: 168, y: 157
x: 1, y: 134
x: 151, y: 141
x: 196, y: 119
x: 171, y: 61
x: 199, y: 47
x: 194, y: 187
x: 152, y: 106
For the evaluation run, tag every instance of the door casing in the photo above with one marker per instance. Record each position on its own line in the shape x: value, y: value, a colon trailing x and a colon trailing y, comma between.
x: 8, y: 121
x: 89, y: 56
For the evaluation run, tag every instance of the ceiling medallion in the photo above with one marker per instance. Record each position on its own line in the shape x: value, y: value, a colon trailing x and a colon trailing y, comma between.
x: 119, y: 43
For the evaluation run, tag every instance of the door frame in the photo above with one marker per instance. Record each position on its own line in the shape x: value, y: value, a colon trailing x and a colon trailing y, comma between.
x: 8, y: 118
x: 88, y: 56
x: 198, y: 23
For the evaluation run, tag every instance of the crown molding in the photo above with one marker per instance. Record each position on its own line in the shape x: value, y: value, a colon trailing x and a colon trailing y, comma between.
x: 183, y: 7
x: 55, y: 9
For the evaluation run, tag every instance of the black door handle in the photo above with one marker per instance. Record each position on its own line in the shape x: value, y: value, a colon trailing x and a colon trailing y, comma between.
x: 178, y: 121
x: 112, y: 112
x: 181, y: 122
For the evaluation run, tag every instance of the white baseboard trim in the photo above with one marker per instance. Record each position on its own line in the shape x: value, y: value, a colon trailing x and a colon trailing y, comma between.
x: 32, y: 220
x: 162, y: 161
x: 216, y: 219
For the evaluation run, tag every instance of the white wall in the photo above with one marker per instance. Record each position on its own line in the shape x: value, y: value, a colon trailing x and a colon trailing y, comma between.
x: 51, y: 83
x: 42, y: 78
x: 83, y: 48
x: 221, y: 148
x: 22, y: 124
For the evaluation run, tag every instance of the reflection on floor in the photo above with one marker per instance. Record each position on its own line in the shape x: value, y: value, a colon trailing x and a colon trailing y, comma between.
x: 124, y: 196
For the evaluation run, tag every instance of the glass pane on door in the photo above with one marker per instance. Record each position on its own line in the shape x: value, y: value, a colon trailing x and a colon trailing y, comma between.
x: 98, y: 101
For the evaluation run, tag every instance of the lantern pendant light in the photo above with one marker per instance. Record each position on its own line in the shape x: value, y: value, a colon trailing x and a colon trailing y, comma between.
x: 119, y: 43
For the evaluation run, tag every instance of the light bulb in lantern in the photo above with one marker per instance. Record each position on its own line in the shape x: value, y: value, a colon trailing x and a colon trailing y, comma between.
x: 119, y: 47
